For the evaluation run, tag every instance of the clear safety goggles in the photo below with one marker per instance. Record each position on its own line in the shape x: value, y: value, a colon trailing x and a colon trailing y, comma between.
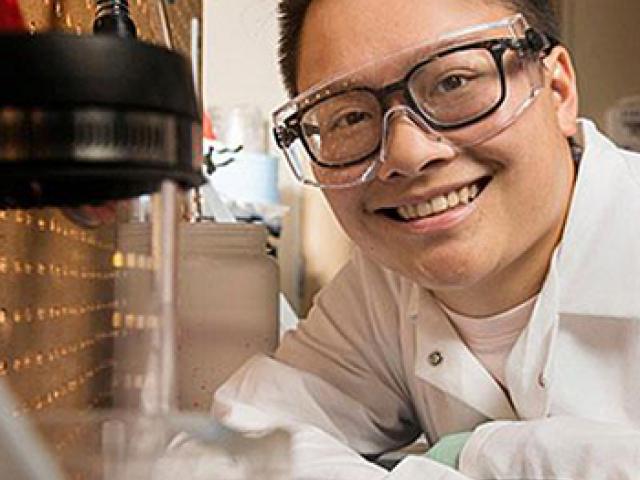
x: 462, y: 89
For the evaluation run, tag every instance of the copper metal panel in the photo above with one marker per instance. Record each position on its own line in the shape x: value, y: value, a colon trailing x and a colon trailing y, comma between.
x: 64, y: 317
x: 56, y: 306
x: 76, y: 16
x: 38, y: 14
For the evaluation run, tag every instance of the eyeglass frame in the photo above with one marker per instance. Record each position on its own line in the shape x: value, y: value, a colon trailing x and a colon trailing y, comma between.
x: 533, y: 42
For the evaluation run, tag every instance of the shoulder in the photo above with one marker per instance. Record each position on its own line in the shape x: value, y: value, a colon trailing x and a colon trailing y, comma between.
x: 601, y: 149
x: 364, y: 283
x: 604, y: 212
x: 353, y: 333
x: 632, y: 161
x: 363, y: 304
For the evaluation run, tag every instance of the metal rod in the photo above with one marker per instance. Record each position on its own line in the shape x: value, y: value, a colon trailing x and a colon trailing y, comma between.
x: 195, y: 56
x: 195, y: 67
x: 164, y: 23
x: 164, y: 240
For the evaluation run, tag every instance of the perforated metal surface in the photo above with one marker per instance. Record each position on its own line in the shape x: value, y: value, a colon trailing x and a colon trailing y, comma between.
x: 56, y: 307
x: 61, y: 319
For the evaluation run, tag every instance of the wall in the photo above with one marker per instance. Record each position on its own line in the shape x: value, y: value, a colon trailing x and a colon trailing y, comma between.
x: 240, y: 68
x: 326, y: 246
x: 604, y: 40
x: 240, y: 39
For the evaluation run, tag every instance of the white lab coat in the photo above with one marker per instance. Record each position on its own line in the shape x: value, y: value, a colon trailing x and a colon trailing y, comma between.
x: 362, y: 373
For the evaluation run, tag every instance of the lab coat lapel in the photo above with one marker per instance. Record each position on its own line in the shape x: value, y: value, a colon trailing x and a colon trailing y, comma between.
x: 528, y: 370
x: 444, y: 361
x: 588, y: 279
x: 601, y: 244
x: 599, y: 302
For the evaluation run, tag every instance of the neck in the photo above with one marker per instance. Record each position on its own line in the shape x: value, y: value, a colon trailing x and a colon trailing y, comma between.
x: 507, y: 288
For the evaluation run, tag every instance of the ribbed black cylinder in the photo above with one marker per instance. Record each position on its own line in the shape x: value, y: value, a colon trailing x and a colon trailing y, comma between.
x: 112, y: 17
x: 82, y: 128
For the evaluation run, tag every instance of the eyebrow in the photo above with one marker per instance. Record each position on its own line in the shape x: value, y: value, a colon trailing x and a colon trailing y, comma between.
x: 376, y: 75
x: 405, y: 60
x: 361, y: 77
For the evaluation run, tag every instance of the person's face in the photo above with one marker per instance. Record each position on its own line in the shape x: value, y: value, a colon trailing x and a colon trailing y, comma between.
x: 519, y: 213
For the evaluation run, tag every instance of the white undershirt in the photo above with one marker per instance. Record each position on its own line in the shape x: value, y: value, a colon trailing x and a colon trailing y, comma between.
x: 491, y: 339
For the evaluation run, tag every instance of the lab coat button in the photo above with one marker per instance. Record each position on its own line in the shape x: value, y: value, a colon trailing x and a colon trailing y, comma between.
x: 542, y: 380
x: 435, y: 358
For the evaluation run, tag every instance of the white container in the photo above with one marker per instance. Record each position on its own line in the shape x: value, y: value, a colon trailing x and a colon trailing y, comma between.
x: 227, y: 304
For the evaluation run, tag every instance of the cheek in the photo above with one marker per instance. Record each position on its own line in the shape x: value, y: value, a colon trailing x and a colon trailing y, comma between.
x: 533, y: 178
x: 347, y: 207
x: 542, y: 172
x: 531, y: 151
x: 535, y: 198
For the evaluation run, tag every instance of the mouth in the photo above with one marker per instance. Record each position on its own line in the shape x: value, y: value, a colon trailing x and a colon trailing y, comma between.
x: 438, y: 205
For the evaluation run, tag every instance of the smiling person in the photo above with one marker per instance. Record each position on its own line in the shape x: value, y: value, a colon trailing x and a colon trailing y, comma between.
x: 491, y: 303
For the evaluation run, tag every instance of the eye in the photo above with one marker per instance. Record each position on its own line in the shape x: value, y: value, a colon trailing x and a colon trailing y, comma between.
x: 451, y: 83
x: 350, y: 119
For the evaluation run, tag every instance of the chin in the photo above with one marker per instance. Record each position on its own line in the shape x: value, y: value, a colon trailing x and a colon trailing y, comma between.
x: 452, y: 271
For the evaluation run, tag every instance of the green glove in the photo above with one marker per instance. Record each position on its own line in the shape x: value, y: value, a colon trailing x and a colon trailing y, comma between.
x: 448, y: 449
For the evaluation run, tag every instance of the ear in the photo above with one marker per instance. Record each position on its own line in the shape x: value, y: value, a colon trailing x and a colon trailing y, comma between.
x: 562, y: 81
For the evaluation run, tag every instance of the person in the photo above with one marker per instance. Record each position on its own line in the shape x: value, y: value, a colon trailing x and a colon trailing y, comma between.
x: 491, y: 303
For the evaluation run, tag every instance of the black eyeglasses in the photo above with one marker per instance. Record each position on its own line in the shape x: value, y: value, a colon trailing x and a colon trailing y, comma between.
x: 343, y: 127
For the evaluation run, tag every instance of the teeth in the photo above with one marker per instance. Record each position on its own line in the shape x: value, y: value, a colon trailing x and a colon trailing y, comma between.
x: 453, y: 199
x: 424, y: 209
x: 464, y: 195
x: 439, y: 204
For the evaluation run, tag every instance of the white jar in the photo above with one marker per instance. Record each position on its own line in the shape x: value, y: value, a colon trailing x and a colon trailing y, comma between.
x: 227, y: 307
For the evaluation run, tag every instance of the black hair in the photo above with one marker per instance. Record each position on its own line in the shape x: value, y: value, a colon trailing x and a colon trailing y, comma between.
x: 539, y: 13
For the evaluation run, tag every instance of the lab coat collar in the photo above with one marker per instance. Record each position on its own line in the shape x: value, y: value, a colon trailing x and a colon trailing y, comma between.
x: 600, y: 242
x: 589, y: 271
x: 528, y: 369
x: 459, y: 373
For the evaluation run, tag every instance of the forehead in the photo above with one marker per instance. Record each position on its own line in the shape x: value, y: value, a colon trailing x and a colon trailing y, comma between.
x: 339, y: 36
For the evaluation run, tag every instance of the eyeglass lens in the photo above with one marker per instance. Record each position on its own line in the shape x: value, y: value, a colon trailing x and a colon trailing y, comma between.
x: 449, y: 90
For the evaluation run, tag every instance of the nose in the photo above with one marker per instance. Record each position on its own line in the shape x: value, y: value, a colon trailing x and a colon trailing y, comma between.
x: 409, y: 147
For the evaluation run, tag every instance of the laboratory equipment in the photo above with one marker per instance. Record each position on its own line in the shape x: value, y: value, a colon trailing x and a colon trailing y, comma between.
x: 98, y: 134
